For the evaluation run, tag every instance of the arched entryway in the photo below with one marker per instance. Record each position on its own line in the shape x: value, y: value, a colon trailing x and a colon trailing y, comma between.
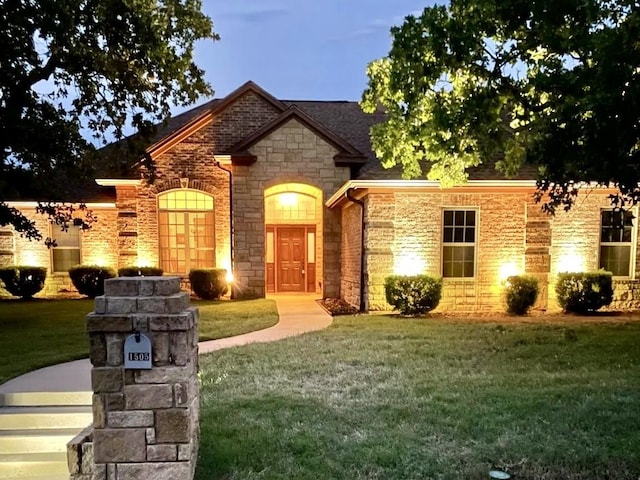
x: 293, y: 237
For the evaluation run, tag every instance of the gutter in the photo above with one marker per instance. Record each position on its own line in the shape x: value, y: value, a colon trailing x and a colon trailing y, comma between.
x: 349, y: 197
x: 422, y: 184
x: 232, y: 259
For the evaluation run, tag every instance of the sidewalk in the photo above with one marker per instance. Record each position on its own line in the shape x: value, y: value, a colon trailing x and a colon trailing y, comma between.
x: 298, y: 314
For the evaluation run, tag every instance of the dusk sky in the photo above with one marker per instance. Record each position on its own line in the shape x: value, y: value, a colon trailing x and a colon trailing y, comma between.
x: 299, y: 49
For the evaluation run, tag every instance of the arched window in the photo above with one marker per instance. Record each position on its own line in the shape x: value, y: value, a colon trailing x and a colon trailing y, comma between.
x: 290, y: 206
x: 186, y: 227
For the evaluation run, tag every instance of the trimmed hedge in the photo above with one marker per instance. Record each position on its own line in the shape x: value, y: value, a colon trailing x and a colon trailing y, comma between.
x: 89, y: 279
x: 23, y: 281
x: 140, y: 272
x: 413, y: 295
x: 209, y: 283
x: 521, y: 293
x: 582, y: 292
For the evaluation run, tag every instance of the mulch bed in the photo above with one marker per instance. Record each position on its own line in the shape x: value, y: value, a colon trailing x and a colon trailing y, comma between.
x: 337, y: 306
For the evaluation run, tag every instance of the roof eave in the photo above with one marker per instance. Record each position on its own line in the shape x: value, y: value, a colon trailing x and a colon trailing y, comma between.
x: 338, y: 197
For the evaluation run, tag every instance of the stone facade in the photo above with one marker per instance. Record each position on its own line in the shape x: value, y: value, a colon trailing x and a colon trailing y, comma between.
x: 145, y: 422
x: 405, y: 228
x: 243, y: 150
x: 98, y: 246
x: 291, y: 154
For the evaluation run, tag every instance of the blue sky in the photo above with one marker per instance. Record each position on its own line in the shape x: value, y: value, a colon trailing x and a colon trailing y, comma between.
x: 299, y: 49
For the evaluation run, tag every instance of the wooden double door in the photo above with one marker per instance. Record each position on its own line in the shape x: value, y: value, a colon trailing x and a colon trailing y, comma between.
x: 290, y: 258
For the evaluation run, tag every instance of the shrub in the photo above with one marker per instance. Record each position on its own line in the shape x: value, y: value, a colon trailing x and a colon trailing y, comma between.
x: 521, y: 293
x: 208, y: 283
x: 23, y: 281
x: 413, y: 295
x: 584, y: 292
x: 89, y: 279
x: 140, y: 272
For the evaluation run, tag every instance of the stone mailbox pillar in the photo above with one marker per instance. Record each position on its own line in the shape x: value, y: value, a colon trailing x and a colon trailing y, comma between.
x: 145, y: 421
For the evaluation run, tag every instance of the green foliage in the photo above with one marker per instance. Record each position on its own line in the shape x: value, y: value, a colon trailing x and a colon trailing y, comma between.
x: 99, y: 66
x: 140, y: 272
x: 208, y: 283
x: 89, y: 279
x: 521, y: 293
x: 413, y: 294
x: 583, y: 292
x: 536, y: 84
x: 22, y: 281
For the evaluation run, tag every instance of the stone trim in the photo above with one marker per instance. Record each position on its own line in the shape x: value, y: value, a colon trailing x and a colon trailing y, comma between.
x: 174, y: 184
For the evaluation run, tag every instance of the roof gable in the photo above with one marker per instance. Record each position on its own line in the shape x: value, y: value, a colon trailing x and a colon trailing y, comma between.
x: 348, y: 155
x: 214, y: 109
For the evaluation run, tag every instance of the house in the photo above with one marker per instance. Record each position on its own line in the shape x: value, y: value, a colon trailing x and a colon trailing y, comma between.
x: 289, y: 197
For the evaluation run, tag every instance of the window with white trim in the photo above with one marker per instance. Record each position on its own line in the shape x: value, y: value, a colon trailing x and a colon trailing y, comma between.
x: 459, y: 243
x: 616, y: 240
x: 186, y: 231
x: 66, y: 253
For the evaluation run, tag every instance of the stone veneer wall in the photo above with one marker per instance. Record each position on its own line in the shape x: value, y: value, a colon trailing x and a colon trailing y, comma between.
x: 577, y: 232
x: 510, y: 229
x: 145, y: 422
x: 292, y: 153
x: 97, y: 246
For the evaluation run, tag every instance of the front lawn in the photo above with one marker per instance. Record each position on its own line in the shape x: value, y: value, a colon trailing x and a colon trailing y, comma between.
x: 381, y: 397
x: 39, y: 333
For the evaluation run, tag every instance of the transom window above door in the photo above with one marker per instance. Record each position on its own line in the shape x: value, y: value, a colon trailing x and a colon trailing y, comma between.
x: 186, y: 231
x: 290, y: 206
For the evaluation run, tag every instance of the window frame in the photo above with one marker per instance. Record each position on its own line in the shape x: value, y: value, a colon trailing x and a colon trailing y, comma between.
x: 475, y: 243
x: 187, y: 217
x: 632, y: 243
x: 53, y: 249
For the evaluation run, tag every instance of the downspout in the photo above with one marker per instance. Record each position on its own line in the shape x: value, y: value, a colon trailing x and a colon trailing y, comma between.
x: 349, y: 197
x: 231, y: 258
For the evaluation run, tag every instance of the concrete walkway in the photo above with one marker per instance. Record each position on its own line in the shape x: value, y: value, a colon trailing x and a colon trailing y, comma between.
x: 298, y: 314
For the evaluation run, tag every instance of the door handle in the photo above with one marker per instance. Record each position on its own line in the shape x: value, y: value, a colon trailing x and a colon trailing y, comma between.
x: 303, y: 271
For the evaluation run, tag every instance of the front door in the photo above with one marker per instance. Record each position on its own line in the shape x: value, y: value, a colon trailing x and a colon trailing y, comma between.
x: 290, y: 244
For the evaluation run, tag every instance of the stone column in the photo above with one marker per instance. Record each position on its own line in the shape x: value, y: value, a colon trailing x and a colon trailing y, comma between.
x: 145, y: 421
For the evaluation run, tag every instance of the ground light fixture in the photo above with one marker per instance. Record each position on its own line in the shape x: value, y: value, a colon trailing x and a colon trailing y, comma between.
x: 499, y: 474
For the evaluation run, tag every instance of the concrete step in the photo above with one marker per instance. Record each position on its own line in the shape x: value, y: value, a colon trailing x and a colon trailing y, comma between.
x: 55, y: 476
x: 26, y: 418
x: 43, y: 399
x: 30, y: 465
x: 36, y: 440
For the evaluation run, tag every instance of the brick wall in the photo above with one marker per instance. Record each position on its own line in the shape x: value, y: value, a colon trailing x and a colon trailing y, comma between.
x: 351, y: 254
x: 98, y: 246
x: 193, y: 159
x: 292, y: 153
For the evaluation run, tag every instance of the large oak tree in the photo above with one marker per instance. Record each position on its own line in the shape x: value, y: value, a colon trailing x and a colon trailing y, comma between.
x: 549, y: 84
x: 96, y: 66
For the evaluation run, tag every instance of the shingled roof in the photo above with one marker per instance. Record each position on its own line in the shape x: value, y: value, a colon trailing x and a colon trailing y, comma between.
x: 346, y: 120
x: 342, y: 120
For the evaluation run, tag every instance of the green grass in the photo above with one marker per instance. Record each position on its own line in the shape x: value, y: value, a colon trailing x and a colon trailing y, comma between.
x: 39, y: 333
x: 224, y: 318
x: 376, y: 397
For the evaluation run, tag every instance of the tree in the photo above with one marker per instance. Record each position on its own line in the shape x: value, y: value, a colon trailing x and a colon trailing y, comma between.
x: 550, y: 84
x: 100, y: 65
